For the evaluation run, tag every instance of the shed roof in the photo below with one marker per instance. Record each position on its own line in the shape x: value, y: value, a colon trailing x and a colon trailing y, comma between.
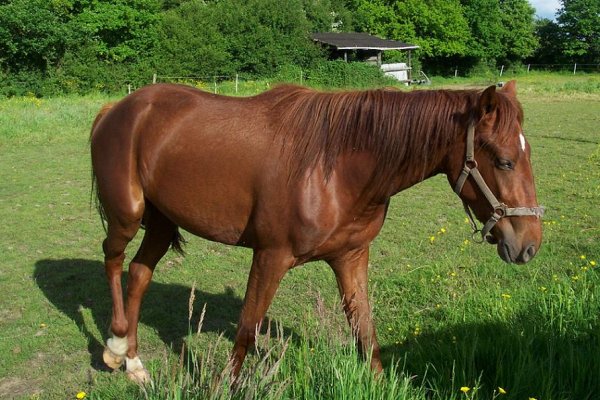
x: 359, y: 41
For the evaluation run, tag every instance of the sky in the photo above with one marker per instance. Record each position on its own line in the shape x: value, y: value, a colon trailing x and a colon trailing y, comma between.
x: 545, y: 8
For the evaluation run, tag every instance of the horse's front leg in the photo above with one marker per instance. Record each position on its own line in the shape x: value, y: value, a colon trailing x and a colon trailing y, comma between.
x: 351, y: 273
x: 268, y: 268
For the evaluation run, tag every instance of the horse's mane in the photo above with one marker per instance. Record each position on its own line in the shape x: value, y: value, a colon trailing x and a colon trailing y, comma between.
x: 405, y: 131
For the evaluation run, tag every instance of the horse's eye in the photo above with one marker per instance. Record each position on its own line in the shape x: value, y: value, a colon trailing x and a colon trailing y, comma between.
x: 504, y: 164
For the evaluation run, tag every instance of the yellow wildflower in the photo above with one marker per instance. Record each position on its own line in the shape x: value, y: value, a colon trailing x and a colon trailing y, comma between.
x: 443, y: 230
x: 465, y: 389
x: 501, y: 390
x: 81, y: 395
x: 583, y: 257
x: 593, y: 263
x: 532, y: 398
x: 431, y: 239
x: 506, y: 296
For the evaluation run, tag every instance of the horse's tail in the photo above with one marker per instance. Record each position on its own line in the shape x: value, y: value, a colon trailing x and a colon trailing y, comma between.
x: 94, y: 194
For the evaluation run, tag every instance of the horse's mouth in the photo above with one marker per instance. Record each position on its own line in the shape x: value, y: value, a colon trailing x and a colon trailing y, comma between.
x: 491, y: 239
x: 505, y: 252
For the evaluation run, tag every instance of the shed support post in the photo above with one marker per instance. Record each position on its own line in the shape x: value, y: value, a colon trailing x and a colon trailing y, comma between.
x: 379, y: 59
x: 409, y: 67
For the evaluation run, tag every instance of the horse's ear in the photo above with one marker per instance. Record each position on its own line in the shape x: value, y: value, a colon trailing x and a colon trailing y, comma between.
x: 510, y: 88
x: 487, y: 101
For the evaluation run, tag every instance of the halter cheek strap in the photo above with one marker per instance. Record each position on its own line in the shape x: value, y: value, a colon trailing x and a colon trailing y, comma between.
x: 501, y: 210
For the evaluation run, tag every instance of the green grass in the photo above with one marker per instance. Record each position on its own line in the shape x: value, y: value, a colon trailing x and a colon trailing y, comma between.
x: 449, y: 312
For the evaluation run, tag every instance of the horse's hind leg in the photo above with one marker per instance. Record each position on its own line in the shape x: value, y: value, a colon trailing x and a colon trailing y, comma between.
x: 160, y: 233
x: 120, y: 231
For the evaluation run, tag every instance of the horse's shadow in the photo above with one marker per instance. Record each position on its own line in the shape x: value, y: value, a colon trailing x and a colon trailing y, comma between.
x: 73, y: 285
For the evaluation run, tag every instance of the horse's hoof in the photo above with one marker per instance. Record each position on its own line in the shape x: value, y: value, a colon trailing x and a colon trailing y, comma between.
x: 136, y: 371
x: 139, y: 376
x: 112, y: 360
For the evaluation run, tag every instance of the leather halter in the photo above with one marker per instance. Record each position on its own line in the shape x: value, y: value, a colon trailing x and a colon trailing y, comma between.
x: 501, y: 210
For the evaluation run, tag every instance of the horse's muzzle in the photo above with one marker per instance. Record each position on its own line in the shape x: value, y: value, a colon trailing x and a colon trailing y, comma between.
x: 511, y: 255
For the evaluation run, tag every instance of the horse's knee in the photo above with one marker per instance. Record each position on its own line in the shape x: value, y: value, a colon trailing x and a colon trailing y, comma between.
x: 244, y: 339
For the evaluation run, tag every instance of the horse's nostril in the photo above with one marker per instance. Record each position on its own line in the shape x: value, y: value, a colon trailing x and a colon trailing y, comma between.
x: 528, y: 253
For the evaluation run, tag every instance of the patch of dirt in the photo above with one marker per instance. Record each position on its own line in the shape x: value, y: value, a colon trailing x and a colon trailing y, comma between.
x: 13, y: 388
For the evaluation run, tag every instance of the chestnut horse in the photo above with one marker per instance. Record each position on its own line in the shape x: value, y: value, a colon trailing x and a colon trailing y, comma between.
x: 297, y: 175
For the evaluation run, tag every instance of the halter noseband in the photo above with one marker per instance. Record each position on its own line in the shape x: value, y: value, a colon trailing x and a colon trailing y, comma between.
x: 500, y: 209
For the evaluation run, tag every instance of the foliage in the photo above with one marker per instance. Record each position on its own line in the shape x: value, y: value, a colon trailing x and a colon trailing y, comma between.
x: 517, y: 37
x: 65, y: 46
x: 33, y: 35
x: 580, y: 24
x: 261, y: 35
x: 485, y: 22
x: 330, y: 74
x: 465, y: 32
x: 549, y: 35
x: 438, y: 27
x: 191, y: 44
x: 76, y: 45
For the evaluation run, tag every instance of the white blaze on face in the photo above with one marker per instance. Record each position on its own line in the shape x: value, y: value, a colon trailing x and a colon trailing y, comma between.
x: 522, y: 139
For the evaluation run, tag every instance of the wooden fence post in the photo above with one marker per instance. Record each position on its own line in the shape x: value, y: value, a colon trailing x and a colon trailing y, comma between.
x: 153, y: 78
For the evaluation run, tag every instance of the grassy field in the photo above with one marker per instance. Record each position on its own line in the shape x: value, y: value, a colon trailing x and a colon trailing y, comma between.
x: 449, y: 312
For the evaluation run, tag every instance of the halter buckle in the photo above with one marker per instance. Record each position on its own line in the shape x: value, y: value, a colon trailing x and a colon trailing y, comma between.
x: 500, y: 211
x: 471, y: 163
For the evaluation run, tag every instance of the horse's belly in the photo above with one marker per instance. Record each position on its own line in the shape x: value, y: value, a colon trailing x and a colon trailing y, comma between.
x: 208, y: 196
x: 208, y: 212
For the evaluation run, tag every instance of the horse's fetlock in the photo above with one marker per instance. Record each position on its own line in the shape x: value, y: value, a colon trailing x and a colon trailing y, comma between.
x: 118, y: 345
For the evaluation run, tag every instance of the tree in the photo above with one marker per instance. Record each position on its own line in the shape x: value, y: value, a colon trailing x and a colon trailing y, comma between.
x: 437, y: 27
x: 518, y: 38
x: 33, y: 36
x: 191, y: 43
x: 261, y: 35
x: 119, y: 30
x: 485, y: 23
x: 579, y: 21
x: 550, y: 50
x: 440, y: 26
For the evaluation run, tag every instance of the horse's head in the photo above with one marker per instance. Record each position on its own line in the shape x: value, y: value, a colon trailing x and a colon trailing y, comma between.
x: 493, y: 176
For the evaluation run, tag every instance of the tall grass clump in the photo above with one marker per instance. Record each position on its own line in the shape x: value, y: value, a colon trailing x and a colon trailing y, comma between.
x: 310, y: 365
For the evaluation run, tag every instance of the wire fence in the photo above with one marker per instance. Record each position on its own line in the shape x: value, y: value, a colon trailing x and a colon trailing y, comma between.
x: 239, y: 84
x: 572, y: 68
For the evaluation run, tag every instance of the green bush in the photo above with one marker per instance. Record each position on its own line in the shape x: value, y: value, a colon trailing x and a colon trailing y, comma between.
x: 357, y: 75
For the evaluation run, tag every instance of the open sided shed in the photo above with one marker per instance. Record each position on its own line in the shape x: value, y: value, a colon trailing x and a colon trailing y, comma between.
x: 346, y: 41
